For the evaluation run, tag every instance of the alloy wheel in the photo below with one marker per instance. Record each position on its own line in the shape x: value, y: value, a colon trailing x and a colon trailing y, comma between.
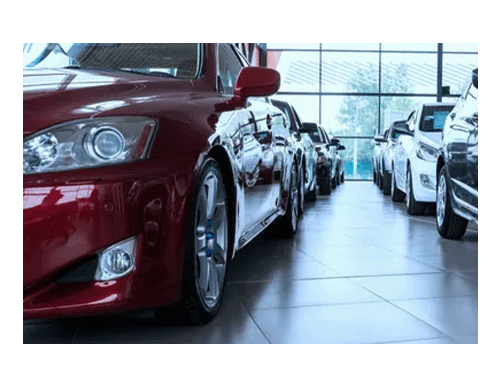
x: 211, y: 240
x: 441, y: 200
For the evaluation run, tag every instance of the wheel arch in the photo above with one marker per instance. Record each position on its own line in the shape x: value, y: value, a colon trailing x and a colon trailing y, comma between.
x: 219, y: 154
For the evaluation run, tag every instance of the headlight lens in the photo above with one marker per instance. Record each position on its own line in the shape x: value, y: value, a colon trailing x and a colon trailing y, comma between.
x: 426, y: 152
x: 88, y: 143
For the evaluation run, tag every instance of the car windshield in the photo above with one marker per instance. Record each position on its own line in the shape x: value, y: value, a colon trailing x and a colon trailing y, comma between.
x: 434, y: 117
x: 314, y: 133
x: 172, y: 60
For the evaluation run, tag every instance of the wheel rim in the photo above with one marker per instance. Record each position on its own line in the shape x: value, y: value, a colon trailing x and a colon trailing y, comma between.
x: 441, y: 200
x: 408, y: 188
x: 295, y: 198
x: 211, y: 240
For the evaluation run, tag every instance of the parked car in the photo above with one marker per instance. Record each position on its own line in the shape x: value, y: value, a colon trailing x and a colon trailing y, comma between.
x: 326, y: 156
x: 305, y: 154
x: 386, y: 156
x: 380, y: 141
x: 339, y: 175
x: 145, y: 168
x: 415, y: 156
x: 457, y: 166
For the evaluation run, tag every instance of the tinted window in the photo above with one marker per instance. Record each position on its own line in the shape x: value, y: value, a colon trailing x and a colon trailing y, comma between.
x: 314, y: 132
x: 433, y: 118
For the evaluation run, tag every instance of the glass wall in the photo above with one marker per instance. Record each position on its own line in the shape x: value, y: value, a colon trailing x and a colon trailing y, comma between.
x: 355, y: 90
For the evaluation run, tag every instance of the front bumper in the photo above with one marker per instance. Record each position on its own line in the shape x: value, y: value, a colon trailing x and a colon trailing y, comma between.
x: 66, y: 223
x: 423, y: 179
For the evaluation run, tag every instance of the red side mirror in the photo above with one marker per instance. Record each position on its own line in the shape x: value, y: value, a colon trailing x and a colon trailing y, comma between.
x: 257, y: 82
x: 252, y: 82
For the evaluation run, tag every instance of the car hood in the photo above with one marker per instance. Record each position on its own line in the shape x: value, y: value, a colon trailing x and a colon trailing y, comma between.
x: 54, y: 96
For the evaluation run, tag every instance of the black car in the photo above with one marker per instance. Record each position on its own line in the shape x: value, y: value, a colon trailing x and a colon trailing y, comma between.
x: 339, y: 174
x: 304, y: 149
x: 457, y: 177
x: 326, y: 156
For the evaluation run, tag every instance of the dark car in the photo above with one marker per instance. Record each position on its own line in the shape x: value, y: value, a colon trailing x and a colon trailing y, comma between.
x: 145, y: 168
x: 326, y: 156
x: 339, y: 174
x: 457, y: 166
x: 305, y: 153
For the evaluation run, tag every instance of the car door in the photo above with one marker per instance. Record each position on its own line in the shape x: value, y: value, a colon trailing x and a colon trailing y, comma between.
x: 462, y: 148
x: 402, y: 149
x: 259, y: 142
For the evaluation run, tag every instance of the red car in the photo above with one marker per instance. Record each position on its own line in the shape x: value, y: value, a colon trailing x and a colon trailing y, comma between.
x: 146, y: 167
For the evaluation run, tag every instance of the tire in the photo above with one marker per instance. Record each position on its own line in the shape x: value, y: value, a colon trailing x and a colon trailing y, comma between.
x: 207, y: 251
x: 302, y: 199
x: 312, y: 195
x: 375, y: 177
x: 380, y: 183
x: 287, y: 225
x: 342, y: 178
x: 325, y: 185
x: 334, y: 181
x: 386, y: 183
x: 449, y: 224
x: 413, y: 207
x: 396, y: 194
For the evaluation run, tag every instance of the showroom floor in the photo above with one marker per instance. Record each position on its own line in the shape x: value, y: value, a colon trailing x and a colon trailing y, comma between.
x: 360, y: 270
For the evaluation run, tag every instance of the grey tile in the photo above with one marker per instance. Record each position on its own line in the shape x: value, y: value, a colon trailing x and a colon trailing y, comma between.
x: 49, y: 331
x: 429, y: 341
x: 353, y: 323
x: 282, y: 294
x: 455, y: 316
x: 403, y: 287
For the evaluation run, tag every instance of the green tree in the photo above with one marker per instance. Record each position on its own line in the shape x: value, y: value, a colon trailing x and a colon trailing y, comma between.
x: 359, y: 115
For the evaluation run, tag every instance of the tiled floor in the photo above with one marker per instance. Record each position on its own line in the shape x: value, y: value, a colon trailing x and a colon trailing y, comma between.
x: 360, y: 270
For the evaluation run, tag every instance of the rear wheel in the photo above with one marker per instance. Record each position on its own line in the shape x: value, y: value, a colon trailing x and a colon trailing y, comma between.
x: 396, y: 194
x: 289, y: 222
x: 325, y: 185
x: 386, y: 183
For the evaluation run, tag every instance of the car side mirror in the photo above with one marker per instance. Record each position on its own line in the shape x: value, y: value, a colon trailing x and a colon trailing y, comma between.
x: 341, y: 147
x: 475, y: 78
x: 403, y: 130
x: 252, y: 82
x: 335, y: 142
x: 379, y: 139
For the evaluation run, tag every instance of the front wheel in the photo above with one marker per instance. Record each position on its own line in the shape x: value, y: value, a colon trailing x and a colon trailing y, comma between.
x: 207, y: 249
x: 413, y: 207
x: 290, y: 220
x: 449, y: 224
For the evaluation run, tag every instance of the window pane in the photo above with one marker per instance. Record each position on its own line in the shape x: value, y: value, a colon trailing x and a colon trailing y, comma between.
x: 409, y: 47
x: 350, y: 115
x: 358, y: 158
x: 307, y: 106
x: 457, y: 71
x: 461, y: 47
x: 350, y: 72
x: 350, y: 46
x: 299, y: 70
x: 293, y: 46
x: 409, y: 73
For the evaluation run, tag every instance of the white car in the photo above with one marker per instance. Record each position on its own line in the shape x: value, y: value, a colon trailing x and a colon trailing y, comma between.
x: 387, y: 155
x: 415, y: 156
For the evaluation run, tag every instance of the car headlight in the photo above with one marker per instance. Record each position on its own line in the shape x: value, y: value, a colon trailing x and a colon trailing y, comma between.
x: 426, y: 152
x: 88, y: 143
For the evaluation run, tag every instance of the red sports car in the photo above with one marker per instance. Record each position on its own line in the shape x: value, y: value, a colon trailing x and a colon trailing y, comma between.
x: 146, y: 167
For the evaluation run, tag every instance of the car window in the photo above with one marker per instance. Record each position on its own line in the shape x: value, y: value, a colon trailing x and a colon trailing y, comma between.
x: 229, y: 68
x: 433, y: 118
x: 170, y: 60
x: 314, y: 133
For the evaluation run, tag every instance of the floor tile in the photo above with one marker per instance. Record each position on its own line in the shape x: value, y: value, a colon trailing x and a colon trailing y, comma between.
x: 352, y: 323
x: 455, y: 316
